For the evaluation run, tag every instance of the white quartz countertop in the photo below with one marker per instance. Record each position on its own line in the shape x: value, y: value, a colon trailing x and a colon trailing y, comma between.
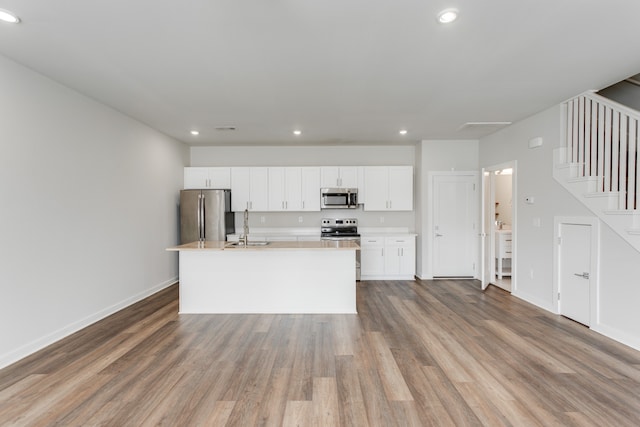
x: 271, y: 246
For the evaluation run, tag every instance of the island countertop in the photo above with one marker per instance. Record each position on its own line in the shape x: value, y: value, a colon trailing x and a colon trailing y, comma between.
x: 216, y: 245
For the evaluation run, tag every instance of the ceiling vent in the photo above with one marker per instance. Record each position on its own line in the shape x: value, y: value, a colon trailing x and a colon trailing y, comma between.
x: 478, y: 129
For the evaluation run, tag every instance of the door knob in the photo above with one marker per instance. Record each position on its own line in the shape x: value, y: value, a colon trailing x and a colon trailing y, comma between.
x: 438, y: 235
x: 584, y: 275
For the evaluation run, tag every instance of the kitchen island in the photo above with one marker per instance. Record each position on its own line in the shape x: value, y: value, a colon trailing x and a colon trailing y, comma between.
x: 276, y: 277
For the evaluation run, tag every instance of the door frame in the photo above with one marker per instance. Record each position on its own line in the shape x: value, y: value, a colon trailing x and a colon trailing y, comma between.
x: 428, y: 232
x: 489, y: 209
x: 594, y: 222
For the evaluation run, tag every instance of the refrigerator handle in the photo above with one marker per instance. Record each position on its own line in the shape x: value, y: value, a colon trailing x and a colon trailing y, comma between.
x: 200, y: 205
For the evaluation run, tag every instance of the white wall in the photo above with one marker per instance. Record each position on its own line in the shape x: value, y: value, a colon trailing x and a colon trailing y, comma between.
x: 344, y: 155
x: 439, y: 156
x: 619, y: 316
x: 89, y: 204
x: 356, y: 155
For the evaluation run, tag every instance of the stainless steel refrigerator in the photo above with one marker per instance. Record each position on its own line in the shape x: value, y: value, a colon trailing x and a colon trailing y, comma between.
x: 205, y: 215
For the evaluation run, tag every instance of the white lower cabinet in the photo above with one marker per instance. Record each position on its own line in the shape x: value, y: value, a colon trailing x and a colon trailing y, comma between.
x: 371, y: 257
x: 388, y: 257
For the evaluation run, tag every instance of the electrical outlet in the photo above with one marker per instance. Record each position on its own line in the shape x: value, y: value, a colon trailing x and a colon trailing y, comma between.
x: 300, y: 219
x: 263, y: 220
x: 381, y: 220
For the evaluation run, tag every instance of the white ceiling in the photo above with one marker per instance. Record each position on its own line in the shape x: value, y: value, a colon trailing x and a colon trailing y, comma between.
x: 343, y: 71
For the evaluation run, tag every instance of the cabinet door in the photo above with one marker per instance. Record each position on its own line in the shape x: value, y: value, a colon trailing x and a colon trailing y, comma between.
x: 310, y: 189
x: 408, y: 260
x: 195, y: 178
x: 259, y: 189
x: 330, y: 176
x: 392, y: 260
x: 349, y: 177
x: 240, y: 189
x: 293, y: 189
x: 400, y: 188
x: 220, y: 178
x: 376, y: 185
x: 276, y: 189
x: 362, y: 195
x: 400, y: 259
x: 372, y: 255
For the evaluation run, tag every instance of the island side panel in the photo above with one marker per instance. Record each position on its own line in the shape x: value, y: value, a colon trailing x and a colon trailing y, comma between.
x: 263, y: 281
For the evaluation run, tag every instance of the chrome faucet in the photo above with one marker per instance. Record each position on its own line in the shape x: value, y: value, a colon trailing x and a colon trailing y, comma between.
x: 245, y: 238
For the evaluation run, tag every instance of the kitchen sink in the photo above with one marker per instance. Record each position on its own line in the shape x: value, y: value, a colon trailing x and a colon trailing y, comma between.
x: 241, y: 244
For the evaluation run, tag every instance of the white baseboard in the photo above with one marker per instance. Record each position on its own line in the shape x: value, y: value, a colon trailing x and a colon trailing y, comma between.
x: 618, y: 335
x: 545, y: 305
x: 40, y: 343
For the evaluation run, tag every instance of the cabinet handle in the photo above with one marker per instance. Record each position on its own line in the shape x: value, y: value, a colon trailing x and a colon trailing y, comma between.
x: 303, y: 204
x: 382, y: 251
x: 282, y: 205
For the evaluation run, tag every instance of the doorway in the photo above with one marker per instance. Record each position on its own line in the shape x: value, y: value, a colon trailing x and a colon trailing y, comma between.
x: 498, y: 247
x: 576, y: 268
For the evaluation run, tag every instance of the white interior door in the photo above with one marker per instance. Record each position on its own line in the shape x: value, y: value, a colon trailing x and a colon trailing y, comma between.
x: 575, y: 276
x: 454, y: 225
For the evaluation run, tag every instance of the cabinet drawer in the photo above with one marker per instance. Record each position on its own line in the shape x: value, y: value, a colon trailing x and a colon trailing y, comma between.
x: 399, y: 240
x: 371, y: 241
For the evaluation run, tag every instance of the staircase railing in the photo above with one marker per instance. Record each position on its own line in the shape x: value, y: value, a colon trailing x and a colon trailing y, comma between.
x: 602, y: 138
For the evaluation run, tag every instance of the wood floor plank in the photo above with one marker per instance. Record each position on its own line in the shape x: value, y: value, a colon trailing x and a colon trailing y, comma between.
x: 298, y: 413
x: 352, y: 409
x: 392, y: 380
x: 325, y: 402
x: 439, y: 353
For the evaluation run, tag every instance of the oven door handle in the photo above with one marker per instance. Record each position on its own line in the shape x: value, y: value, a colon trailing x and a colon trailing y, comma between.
x: 339, y: 238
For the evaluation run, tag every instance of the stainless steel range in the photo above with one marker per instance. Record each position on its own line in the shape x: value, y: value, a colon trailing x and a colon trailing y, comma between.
x: 342, y: 229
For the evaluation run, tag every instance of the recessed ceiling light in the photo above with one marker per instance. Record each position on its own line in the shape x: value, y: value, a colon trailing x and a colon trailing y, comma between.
x: 403, y: 132
x: 195, y: 133
x: 9, y: 17
x: 297, y: 132
x: 447, y: 16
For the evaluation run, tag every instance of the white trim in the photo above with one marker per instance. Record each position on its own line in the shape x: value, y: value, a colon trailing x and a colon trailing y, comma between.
x: 538, y: 302
x: 594, y: 222
x: 618, y: 335
x: 42, y: 342
x: 513, y: 164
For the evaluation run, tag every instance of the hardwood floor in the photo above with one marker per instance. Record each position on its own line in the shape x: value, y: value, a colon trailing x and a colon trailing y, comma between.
x: 418, y: 353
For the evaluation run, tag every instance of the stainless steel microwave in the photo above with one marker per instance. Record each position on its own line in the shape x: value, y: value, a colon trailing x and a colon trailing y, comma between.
x: 338, y: 198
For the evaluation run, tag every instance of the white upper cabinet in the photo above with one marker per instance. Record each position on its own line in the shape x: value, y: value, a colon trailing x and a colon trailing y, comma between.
x: 207, y: 177
x: 339, y: 177
x: 249, y: 189
x: 388, y: 188
x: 294, y: 189
x: 285, y: 189
x: 310, y: 189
